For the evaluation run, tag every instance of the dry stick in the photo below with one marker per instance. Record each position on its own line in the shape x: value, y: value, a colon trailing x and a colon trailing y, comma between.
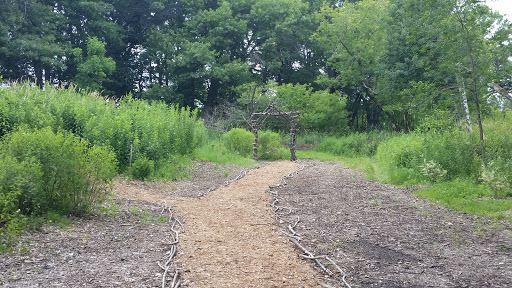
x: 163, y: 277
x: 240, y: 176
x: 175, y: 239
x: 310, y: 255
x: 174, y: 283
x: 332, y: 262
x: 290, y: 227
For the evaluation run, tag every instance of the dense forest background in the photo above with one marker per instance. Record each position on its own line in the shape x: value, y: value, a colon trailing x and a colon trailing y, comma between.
x: 348, y: 65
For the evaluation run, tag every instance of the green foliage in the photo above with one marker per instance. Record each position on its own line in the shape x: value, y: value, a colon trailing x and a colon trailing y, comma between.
x: 94, y: 69
x: 156, y: 131
x: 63, y: 172
x: 320, y: 110
x: 178, y: 167
x: 142, y: 168
x: 269, y: 145
x: 239, y: 141
x: 403, y: 158
x: 42, y: 172
x: 433, y: 171
x: 456, y: 151
x: 464, y: 195
x: 353, y: 145
x: 434, y: 157
x: 217, y: 152
x: 162, y: 93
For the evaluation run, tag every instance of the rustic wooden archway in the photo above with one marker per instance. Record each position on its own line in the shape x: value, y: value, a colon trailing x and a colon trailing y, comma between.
x: 292, y: 117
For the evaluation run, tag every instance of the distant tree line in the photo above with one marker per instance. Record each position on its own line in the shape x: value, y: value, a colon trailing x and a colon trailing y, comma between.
x: 395, y: 64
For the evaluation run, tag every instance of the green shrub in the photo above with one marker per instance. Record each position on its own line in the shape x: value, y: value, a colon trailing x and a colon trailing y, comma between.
x: 456, y: 151
x: 404, y: 151
x: 401, y: 158
x: 320, y: 110
x: 176, y: 168
x: 269, y: 145
x: 16, y: 178
x: 239, y: 141
x: 54, y: 172
x: 142, y: 168
x: 5, y: 125
x: 353, y: 145
x: 498, y: 142
x: 216, y: 151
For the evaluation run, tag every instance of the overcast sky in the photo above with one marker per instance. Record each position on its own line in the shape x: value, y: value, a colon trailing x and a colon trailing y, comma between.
x: 502, y: 6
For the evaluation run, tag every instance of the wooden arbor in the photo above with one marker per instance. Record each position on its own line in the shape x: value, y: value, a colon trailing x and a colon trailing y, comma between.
x: 291, y: 117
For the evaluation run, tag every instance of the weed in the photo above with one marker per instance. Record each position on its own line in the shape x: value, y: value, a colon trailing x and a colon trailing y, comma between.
x: 339, y: 243
x: 134, y: 211
x: 464, y: 195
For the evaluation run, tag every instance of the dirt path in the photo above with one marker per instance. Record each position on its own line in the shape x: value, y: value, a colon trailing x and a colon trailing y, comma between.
x: 232, y: 241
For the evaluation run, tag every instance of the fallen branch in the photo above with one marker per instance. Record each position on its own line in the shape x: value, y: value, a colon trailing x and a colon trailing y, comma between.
x: 176, y: 282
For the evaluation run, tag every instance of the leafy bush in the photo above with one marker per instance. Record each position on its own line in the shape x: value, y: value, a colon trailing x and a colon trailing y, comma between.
x: 216, y: 151
x: 498, y: 143
x: 142, y: 168
x: 433, y: 171
x: 50, y: 171
x: 16, y: 178
x: 456, y: 151
x: 400, y: 158
x: 353, y: 145
x: 240, y: 141
x: 269, y: 145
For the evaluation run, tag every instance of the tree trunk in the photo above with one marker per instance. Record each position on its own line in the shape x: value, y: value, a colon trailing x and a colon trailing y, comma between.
x: 474, y: 86
x: 465, y: 107
x: 213, y: 92
x: 47, y: 75
x: 38, y: 68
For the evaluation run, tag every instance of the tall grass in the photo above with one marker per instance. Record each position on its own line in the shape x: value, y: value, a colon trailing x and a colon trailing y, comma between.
x: 132, y: 128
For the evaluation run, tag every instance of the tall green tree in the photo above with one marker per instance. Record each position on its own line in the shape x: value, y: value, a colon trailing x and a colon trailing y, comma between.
x: 30, y: 45
x: 94, y: 67
x: 355, y: 37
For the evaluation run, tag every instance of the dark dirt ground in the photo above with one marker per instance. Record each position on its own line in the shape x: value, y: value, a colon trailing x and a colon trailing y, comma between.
x: 382, y: 236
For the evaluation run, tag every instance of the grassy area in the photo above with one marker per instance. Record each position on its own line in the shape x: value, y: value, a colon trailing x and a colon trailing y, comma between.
x: 466, y: 196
